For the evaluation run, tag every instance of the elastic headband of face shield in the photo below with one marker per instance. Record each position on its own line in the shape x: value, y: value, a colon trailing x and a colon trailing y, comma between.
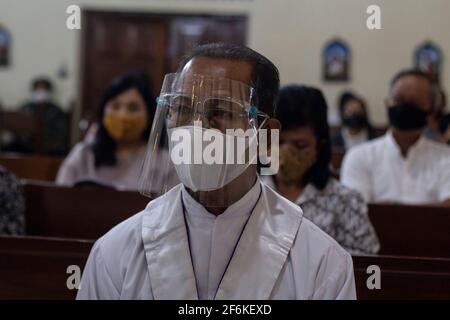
x: 194, y: 114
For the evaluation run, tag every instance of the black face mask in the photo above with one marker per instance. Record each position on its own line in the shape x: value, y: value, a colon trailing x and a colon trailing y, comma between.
x: 355, y: 121
x: 407, y: 116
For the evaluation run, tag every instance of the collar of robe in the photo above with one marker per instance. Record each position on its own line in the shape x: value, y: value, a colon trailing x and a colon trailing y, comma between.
x: 256, y: 263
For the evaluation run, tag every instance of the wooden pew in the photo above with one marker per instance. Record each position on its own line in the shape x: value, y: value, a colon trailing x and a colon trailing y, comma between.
x: 20, y: 123
x: 404, y: 277
x: 31, y: 166
x: 412, y: 230
x: 81, y: 212
x: 36, y: 267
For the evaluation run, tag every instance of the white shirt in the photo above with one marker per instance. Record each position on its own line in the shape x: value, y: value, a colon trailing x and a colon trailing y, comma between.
x: 378, y: 170
x: 212, y: 239
x: 280, y: 255
x: 355, y: 139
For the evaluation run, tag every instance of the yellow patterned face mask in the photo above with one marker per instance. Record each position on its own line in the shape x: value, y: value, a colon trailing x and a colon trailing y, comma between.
x: 293, y: 164
x: 125, y: 128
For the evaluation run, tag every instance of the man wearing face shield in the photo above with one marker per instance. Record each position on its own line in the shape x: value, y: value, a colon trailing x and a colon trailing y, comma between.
x: 221, y: 233
x: 403, y: 166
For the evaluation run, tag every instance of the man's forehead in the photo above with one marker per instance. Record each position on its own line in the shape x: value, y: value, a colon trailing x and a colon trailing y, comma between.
x: 412, y: 84
x: 238, y: 70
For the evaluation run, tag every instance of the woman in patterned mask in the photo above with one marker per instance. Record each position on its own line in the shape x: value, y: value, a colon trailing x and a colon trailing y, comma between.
x: 304, y: 176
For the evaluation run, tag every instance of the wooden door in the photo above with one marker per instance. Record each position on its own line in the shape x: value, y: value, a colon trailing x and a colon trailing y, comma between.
x: 115, y: 43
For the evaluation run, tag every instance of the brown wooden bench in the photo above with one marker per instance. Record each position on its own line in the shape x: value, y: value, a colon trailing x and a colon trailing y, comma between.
x: 404, y: 277
x: 36, y: 267
x: 80, y: 212
x: 412, y: 230
x: 18, y: 122
x: 31, y: 166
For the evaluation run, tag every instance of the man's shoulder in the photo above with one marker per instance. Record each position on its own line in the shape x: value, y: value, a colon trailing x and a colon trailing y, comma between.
x: 282, y: 204
x: 128, y: 233
x: 368, y: 146
x: 320, y: 257
x: 309, y: 237
x: 366, y: 151
x: 437, y: 149
x: 319, y: 242
x: 122, y: 237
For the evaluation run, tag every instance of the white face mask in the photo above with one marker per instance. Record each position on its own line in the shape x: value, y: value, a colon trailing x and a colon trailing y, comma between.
x: 40, y: 96
x: 205, y: 176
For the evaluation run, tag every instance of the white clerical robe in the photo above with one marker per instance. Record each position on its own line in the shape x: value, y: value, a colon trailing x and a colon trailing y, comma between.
x: 212, y: 239
x: 259, y: 248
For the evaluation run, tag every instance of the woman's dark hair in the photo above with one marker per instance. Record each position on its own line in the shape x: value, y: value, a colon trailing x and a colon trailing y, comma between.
x: 347, y: 96
x: 444, y: 123
x: 42, y: 81
x: 301, y: 106
x: 104, y: 145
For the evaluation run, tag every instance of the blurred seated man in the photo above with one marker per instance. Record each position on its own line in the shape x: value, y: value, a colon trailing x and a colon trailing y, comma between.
x: 356, y: 127
x: 403, y: 166
x: 55, y: 128
x: 12, y: 205
x: 221, y: 233
x: 440, y: 104
x: 305, y: 178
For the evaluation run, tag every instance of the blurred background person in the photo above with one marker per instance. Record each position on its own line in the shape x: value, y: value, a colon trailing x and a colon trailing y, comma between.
x: 356, y: 127
x: 403, y: 166
x: 12, y: 205
x: 115, y: 154
x: 440, y: 103
x: 304, y: 176
x: 54, y: 121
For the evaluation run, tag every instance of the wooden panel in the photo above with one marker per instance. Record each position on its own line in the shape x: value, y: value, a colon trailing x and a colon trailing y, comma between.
x: 80, y: 212
x: 35, y: 267
x: 20, y: 123
x: 115, y: 42
x: 412, y: 230
x: 404, y: 277
x: 186, y: 32
x: 31, y: 167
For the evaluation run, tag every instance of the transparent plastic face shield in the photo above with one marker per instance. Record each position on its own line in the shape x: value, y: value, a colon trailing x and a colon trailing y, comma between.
x: 204, y: 135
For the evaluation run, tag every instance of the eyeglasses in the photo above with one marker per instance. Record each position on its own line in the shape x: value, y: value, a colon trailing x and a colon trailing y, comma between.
x: 219, y: 112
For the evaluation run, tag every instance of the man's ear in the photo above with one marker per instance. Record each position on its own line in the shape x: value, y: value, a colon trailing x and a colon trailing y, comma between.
x: 271, y: 124
x: 268, y: 149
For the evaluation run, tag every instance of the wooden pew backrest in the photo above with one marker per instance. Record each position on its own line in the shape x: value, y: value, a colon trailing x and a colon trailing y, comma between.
x: 36, y: 267
x: 30, y: 166
x: 412, y: 230
x: 82, y: 212
x: 20, y: 123
x: 403, y: 277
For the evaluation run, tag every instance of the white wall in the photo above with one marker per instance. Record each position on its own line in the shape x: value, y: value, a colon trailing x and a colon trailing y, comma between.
x: 290, y: 32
